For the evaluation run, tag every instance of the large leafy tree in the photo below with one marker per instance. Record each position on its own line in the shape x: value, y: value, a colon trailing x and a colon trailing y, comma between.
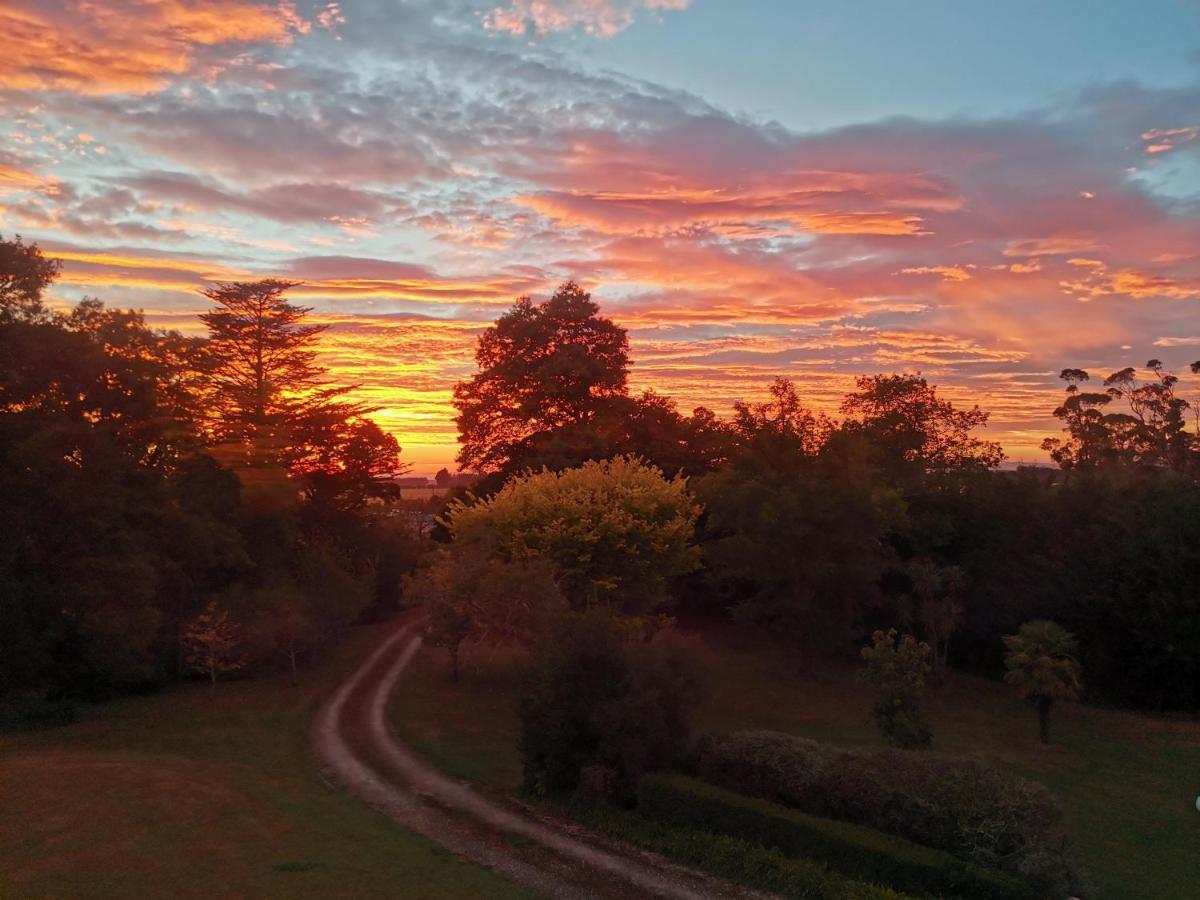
x: 906, y: 419
x: 1130, y: 422
x: 24, y: 275
x: 542, y: 367
x: 617, y: 531
x: 114, y: 524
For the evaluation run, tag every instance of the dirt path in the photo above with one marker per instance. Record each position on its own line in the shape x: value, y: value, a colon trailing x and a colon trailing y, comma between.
x: 359, y: 750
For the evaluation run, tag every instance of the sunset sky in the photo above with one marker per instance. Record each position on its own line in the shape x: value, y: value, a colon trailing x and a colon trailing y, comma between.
x: 982, y: 192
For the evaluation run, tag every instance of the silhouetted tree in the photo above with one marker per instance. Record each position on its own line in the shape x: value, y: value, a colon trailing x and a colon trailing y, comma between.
x: 24, y: 275
x: 906, y: 419
x: 543, y: 367
x: 1148, y: 427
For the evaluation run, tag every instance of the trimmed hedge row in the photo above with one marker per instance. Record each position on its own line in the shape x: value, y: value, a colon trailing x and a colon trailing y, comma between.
x: 980, y: 814
x: 850, y: 849
x: 734, y: 859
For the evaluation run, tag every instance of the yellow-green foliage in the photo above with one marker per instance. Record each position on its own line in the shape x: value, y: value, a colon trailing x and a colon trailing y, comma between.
x: 1040, y: 662
x: 617, y: 531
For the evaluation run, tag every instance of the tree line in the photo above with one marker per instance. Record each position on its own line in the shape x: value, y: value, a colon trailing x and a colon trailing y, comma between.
x: 160, y: 489
x: 823, y: 529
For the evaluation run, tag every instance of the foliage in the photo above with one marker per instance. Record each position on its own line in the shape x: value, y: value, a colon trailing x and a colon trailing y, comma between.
x: 1041, y: 665
x: 120, y: 522
x: 897, y: 668
x: 542, y: 366
x: 904, y: 416
x: 798, y: 542
x: 855, y: 851
x: 472, y: 596
x: 603, y: 708
x: 959, y: 805
x: 1149, y: 428
x: 617, y: 532
x: 729, y: 857
x: 24, y: 275
x: 270, y: 405
x: 213, y: 644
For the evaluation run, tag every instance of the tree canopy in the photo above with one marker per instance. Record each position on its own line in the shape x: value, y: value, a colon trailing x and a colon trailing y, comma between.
x: 543, y: 366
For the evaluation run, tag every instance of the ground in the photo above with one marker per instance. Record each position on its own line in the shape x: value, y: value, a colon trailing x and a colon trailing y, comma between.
x: 1126, y: 782
x: 185, y: 795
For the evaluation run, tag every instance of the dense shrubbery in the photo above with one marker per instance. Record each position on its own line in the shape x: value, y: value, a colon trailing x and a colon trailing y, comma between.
x: 850, y: 849
x: 897, y: 668
x: 602, y: 707
x: 958, y: 805
x: 146, y: 474
x: 742, y: 861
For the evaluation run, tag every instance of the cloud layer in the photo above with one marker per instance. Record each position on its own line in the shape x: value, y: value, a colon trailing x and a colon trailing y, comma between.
x: 419, y: 166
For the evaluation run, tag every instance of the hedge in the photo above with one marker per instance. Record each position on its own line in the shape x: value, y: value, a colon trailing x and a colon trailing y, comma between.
x: 980, y: 814
x: 855, y: 851
x: 734, y: 859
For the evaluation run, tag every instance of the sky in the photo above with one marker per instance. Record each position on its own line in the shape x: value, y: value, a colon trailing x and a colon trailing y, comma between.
x: 985, y: 193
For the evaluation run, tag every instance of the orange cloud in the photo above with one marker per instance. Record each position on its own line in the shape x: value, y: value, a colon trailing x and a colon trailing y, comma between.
x: 1160, y: 140
x: 602, y: 18
x: 110, y: 46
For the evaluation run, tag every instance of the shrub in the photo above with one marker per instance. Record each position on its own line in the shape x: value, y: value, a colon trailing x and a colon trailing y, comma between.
x: 855, y: 851
x: 964, y: 807
x: 735, y: 859
x: 897, y: 667
x: 598, y: 701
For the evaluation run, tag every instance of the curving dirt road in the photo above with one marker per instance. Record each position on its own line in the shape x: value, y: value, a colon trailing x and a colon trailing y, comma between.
x: 359, y: 750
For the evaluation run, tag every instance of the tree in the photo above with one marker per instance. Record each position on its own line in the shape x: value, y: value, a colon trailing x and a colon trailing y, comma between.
x: 1147, y: 427
x: 472, y: 595
x: 798, y: 543
x: 24, y: 275
x: 270, y: 400
x: 263, y: 361
x: 213, y: 644
x: 1042, y: 666
x: 600, y: 708
x: 898, y: 669
x: 617, y: 532
x: 543, y: 367
x: 907, y: 420
x: 934, y: 601
x: 285, y: 624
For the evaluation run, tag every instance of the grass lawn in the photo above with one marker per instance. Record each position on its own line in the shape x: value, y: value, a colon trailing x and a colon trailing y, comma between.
x: 1127, y: 783
x: 179, y: 795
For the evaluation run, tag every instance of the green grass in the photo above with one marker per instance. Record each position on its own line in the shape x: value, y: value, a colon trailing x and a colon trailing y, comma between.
x: 176, y: 794
x: 1126, y: 782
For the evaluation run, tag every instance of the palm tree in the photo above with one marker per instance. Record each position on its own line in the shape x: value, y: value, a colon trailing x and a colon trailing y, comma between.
x: 1042, y: 666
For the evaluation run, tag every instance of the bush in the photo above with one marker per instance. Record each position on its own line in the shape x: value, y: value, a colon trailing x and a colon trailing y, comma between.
x: 855, y: 851
x: 734, y: 859
x: 964, y: 807
x: 600, y: 703
x: 898, y: 667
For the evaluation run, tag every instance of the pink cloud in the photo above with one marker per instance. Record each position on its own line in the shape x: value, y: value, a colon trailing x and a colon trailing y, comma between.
x: 602, y: 18
x: 128, y: 45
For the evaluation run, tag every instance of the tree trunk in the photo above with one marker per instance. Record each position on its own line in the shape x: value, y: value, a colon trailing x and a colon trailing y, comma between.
x: 212, y: 674
x: 454, y: 662
x: 1043, y: 711
x: 292, y: 660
